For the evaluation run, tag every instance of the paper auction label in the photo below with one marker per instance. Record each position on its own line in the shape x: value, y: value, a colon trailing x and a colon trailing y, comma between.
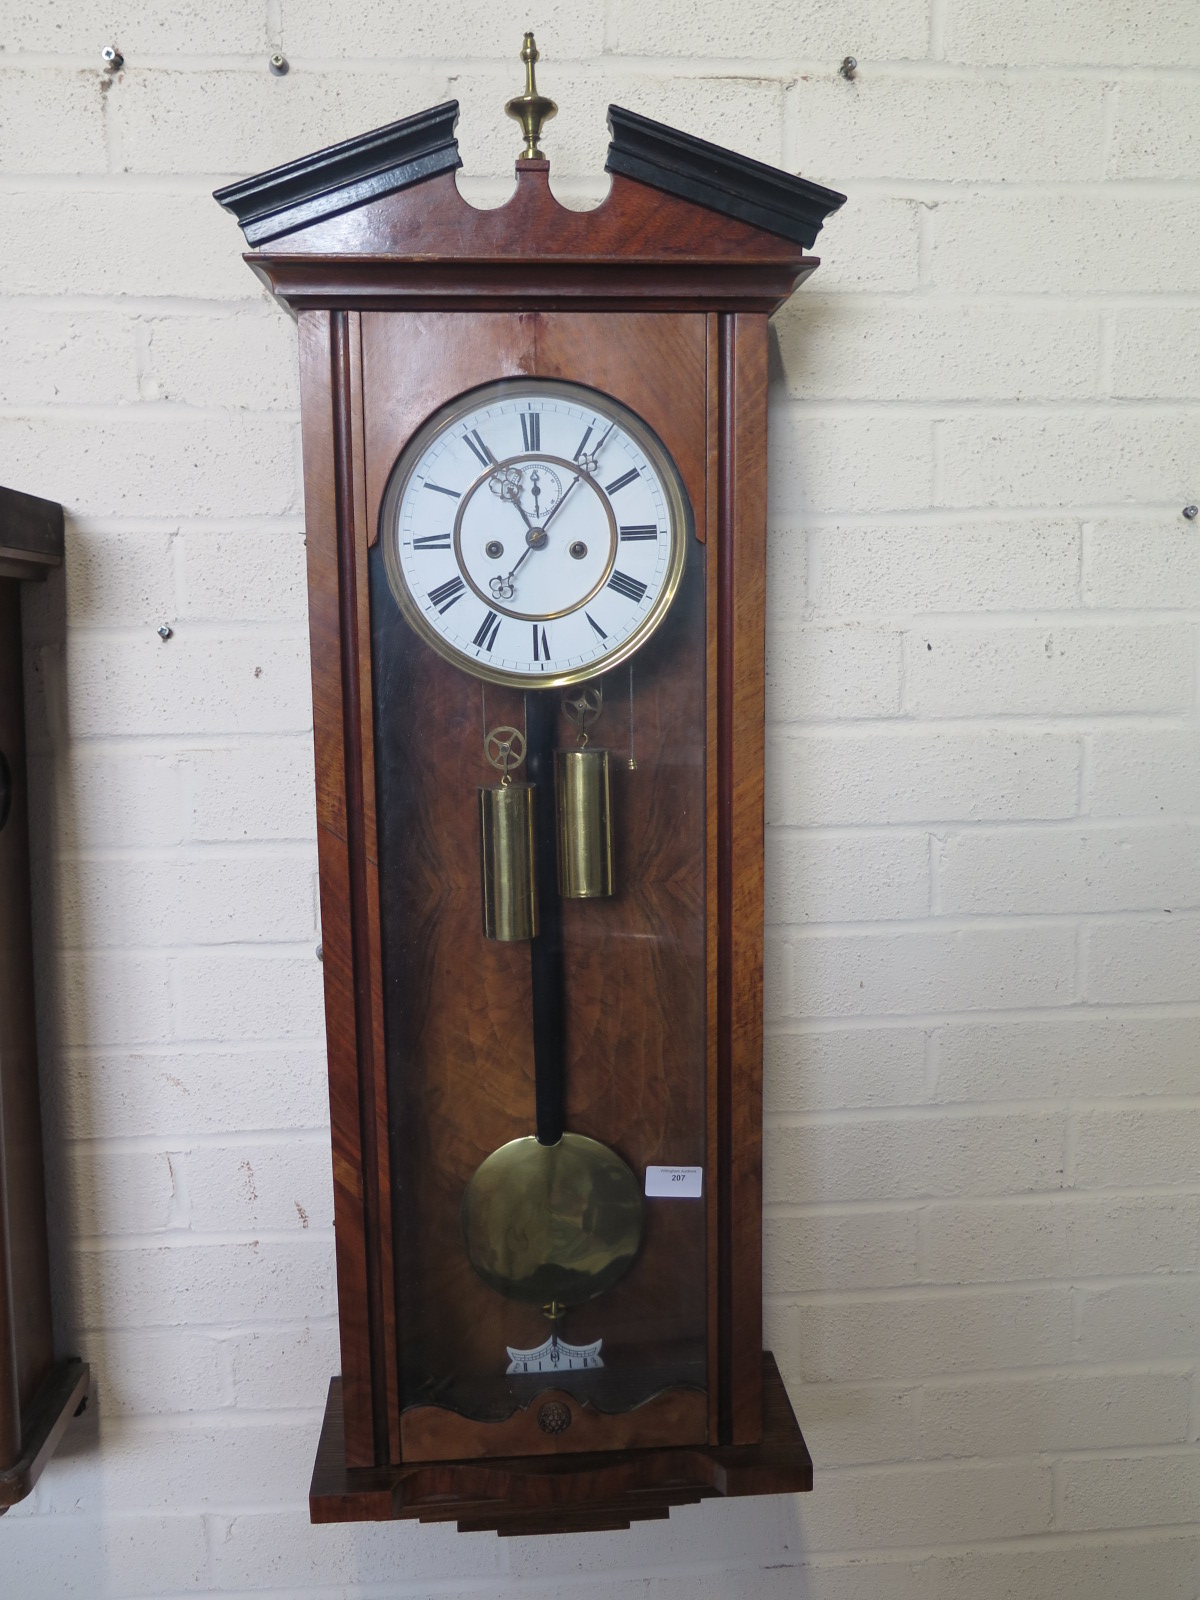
x: 674, y: 1183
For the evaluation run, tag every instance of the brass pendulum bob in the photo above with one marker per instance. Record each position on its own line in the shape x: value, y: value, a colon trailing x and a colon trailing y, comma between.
x: 552, y: 1219
x: 508, y: 866
x: 583, y: 803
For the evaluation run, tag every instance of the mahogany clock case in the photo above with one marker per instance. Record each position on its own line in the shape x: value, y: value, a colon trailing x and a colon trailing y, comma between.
x: 407, y: 298
x: 38, y: 1395
x: 458, y: 1007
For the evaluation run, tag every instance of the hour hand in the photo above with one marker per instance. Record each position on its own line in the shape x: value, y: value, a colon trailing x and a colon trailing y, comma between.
x: 507, y: 483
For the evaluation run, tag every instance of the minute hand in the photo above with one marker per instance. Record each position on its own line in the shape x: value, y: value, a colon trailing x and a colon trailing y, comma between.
x: 575, y: 480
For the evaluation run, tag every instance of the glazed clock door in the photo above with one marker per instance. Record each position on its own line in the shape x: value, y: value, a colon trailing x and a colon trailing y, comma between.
x: 536, y: 503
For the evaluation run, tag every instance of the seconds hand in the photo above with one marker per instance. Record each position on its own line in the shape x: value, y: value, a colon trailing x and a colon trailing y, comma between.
x: 530, y: 547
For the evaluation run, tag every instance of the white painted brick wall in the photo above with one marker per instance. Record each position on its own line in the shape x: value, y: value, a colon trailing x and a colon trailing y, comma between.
x: 982, y: 1236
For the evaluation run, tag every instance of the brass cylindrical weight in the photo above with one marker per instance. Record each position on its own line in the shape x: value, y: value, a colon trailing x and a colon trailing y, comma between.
x: 506, y: 832
x: 585, y: 852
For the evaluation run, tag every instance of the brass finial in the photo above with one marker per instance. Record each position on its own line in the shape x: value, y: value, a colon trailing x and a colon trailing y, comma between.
x: 531, y: 109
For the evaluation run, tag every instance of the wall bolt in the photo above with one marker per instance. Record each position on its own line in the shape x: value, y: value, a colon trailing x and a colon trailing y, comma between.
x: 1191, y: 512
x: 165, y: 632
x: 278, y: 65
x: 848, y: 68
x: 321, y: 952
x: 112, y: 58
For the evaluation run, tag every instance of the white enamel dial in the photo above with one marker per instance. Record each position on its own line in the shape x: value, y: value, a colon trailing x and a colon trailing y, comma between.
x: 534, y: 532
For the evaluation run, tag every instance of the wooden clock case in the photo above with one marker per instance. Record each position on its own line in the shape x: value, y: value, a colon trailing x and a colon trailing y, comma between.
x: 406, y: 296
x: 38, y: 1394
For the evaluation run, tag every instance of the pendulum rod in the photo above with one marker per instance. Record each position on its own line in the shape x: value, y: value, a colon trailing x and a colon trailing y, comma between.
x: 554, y: 1218
x: 549, y: 1064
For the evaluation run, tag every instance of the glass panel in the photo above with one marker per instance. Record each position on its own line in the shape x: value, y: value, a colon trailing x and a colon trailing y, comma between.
x: 466, y: 1025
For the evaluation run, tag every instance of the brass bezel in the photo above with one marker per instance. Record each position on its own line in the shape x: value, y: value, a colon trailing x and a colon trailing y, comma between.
x: 679, y: 516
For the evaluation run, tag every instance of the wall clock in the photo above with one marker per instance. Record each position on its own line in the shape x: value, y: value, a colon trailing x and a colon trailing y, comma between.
x: 534, y: 456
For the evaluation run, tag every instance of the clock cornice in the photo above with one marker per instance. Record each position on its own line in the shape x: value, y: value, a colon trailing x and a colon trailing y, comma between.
x: 721, y: 180
x: 344, y: 176
x: 378, y: 222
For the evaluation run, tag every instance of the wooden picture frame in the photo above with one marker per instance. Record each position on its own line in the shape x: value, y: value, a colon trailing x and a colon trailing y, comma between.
x: 38, y: 1394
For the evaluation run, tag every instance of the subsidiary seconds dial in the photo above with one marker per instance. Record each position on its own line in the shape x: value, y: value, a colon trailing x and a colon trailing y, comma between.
x: 534, y: 532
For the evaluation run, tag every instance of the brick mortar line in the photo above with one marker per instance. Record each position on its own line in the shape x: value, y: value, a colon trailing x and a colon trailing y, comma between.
x: 1094, y: 1010
x: 986, y: 1016
x: 947, y: 404
x: 949, y: 1111
x: 202, y: 1049
x: 1164, y: 1368
x: 275, y: 949
x: 931, y: 517
x: 313, y: 1136
x: 1046, y: 1457
x: 1070, y: 724
x: 141, y: 410
x: 815, y: 929
x: 1025, y: 1543
x: 185, y: 1239
x: 898, y: 186
x: 190, y: 852
x: 990, y: 921
x: 923, y: 1293
x: 922, y: 1205
x: 1173, y: 822
x: 233, y: 1419
x: 106, y: 301
x: 274, y: 629
x: 1064, y: 723
x: 928, y: 1200
x: 225, y: 1332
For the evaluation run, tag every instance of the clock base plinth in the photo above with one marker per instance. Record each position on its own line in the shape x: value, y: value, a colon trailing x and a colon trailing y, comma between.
x: 560, y: 1494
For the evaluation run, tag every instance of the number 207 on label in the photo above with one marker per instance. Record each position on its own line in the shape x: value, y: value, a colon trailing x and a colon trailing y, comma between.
x: 674, y: 1183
